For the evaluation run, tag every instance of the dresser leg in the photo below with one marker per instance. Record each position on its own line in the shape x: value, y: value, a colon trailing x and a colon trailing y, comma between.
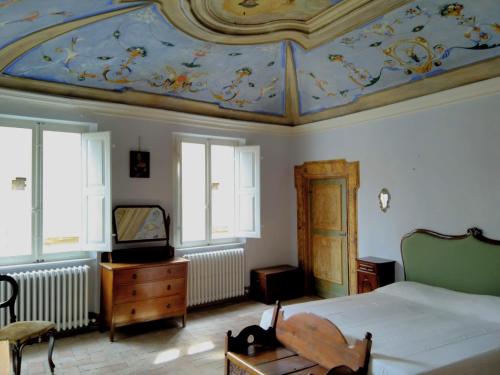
x: 184, y: 320
x: 112, y: 333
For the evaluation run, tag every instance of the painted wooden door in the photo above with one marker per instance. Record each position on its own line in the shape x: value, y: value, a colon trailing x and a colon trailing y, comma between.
x: 328, y: 231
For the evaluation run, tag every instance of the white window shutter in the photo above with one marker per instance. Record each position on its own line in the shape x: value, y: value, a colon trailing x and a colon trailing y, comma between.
x: 96, y: 191
x: 247, y: 175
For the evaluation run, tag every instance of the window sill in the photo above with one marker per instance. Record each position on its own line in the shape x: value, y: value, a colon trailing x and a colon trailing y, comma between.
x: 208, y: 248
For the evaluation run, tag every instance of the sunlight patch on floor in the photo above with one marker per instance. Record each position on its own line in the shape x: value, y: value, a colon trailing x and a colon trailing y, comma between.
x: 167, y: 356
x: 201, y: 347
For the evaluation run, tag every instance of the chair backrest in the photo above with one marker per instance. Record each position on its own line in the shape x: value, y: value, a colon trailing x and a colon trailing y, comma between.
x: 12, y: 300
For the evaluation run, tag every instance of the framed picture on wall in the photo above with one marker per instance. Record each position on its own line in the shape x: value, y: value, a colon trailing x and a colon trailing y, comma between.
x: 139, y: 164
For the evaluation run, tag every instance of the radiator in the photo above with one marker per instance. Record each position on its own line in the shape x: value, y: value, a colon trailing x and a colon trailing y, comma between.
x: 57, y: 295
x: 215, y: 276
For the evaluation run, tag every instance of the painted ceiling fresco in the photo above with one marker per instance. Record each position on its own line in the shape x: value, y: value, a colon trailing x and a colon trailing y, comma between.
x: 422, y: 39
x: 261, y: 11
x: 19, y: 18
x: 141, y: 49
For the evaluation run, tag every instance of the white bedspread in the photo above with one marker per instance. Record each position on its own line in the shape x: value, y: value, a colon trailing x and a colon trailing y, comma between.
x: 417, y: 328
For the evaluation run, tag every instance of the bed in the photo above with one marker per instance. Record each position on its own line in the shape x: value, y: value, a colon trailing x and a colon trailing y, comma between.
x: 443, y: 319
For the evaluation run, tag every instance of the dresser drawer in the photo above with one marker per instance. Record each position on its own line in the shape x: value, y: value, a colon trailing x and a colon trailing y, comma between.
x: 150, y: 309
x: 138, y: 292
x: 144, y: 275
x: 367, y: 282
x: 367, y: 267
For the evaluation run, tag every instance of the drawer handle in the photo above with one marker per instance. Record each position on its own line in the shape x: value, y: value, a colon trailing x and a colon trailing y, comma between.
x: 134, y: 292
x: 133, y: 312
x: 168, y: 306
x: 169, y: 271
x: 134, y: 276
x: 169, y: 287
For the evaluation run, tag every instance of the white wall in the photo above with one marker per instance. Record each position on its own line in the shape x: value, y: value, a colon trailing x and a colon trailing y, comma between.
x: 274, y: 246
x: 156, y: 137
x: 441, y: 166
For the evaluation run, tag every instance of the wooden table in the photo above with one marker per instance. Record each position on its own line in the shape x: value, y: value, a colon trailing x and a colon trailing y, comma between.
x: 5, y: 364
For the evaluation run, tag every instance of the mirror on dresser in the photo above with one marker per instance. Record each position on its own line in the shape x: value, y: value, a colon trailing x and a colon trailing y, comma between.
x: 135, y: 228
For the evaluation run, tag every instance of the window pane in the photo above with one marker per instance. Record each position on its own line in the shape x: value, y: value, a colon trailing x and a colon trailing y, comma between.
x: 222, y: 189
x: 61, y: 191
x: 193, y: 192
x: 15, y: 191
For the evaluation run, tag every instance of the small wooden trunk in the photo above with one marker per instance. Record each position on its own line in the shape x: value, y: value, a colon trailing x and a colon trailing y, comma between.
x: 276, y: 283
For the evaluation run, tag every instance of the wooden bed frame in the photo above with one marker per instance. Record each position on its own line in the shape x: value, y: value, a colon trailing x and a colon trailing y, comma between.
x: 302, y: 344
x: 468, y: 263
x: 310, y: 345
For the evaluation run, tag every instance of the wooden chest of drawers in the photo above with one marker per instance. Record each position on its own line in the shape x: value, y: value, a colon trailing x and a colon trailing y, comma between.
x: 133, y: 293
x: 373, y: 273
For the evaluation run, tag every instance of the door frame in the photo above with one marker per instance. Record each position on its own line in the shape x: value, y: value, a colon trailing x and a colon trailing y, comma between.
x: 304, y: 174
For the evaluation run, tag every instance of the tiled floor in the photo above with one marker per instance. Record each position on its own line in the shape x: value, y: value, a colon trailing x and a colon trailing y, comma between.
x: 153, y: 348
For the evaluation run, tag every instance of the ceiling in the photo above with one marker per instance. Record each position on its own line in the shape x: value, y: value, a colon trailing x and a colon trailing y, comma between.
x: 275, y: 61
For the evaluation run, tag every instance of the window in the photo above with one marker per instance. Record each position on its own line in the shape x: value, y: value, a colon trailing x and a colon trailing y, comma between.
x: 218, y: 191
x: 54, y: 192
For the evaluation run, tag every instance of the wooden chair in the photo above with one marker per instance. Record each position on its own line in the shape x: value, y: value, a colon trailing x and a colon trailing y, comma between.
x: 20, y: 334
x: 302, y: 344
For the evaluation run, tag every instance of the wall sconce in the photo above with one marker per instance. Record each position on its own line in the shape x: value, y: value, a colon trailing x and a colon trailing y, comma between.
x: 384, y: 198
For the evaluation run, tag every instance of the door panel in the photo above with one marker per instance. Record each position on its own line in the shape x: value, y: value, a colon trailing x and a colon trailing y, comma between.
x: 326, y: 195
x: 328, y: 205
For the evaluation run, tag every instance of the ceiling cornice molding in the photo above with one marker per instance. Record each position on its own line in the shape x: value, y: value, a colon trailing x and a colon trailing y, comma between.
x: 164, y: 116
x: 194, y: 18
x: 171, y: 118
x: 455, y: 95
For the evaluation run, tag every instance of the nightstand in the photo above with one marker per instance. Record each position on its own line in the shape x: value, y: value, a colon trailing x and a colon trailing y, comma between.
x: 373, y: 273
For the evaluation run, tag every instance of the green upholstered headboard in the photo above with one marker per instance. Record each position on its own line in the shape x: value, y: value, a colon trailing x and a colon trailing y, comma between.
x: 468, y: 263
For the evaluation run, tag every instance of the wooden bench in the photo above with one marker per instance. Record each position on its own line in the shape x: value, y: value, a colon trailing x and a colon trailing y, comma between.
x: 303, y: 344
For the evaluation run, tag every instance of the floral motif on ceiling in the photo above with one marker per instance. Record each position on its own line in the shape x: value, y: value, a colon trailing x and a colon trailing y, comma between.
x: 19, y: 18
x: 142, y: 51
x: 138, y: 47
x: 423, y: 39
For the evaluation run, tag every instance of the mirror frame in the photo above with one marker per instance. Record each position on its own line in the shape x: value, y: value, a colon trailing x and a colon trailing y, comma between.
x: 384, y: 191
x: 166, y: 221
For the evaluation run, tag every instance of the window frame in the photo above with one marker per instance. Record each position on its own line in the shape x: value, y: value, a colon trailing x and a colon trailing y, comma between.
x: 208, y: 141
x: 37, y: 127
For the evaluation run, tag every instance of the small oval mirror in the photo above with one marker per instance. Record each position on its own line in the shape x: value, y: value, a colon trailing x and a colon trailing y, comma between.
x: 384, y: 197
